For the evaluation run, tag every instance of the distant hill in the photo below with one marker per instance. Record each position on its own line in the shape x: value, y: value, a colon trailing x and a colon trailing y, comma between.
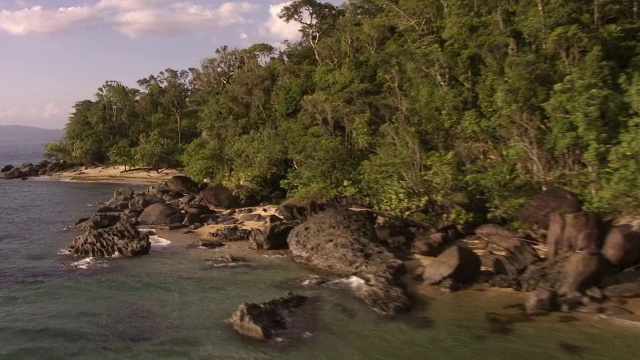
x: 18, y: 134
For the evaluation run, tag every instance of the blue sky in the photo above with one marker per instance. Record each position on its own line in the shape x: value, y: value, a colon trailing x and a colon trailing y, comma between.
x: 56, y: 52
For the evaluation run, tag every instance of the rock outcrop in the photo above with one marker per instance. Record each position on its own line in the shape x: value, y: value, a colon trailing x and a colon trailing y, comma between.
x: 220, y: 196
x: 103, y: 237
x: 344, y: 243
x: 273, y: 237
x: 622, y: 246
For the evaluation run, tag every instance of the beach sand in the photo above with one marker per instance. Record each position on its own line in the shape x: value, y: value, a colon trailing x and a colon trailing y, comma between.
x: 115, y: 174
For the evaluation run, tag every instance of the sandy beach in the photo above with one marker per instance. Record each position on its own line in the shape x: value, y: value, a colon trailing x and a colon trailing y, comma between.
x: 115, y: 174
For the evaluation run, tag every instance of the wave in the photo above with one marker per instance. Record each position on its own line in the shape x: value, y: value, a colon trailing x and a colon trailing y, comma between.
x: 158, y: 241
x: 87, y: 263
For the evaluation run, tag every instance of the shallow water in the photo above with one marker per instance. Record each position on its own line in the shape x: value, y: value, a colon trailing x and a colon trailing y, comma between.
x: 170, y: 306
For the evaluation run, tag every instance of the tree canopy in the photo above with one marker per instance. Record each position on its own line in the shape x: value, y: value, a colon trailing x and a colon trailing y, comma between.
x: 422, y: 107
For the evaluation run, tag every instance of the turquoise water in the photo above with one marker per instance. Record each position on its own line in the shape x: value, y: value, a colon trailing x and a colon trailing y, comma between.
x: 170, y: 305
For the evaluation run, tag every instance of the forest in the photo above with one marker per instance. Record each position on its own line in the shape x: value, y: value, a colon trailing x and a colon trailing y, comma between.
x: 449, y: 109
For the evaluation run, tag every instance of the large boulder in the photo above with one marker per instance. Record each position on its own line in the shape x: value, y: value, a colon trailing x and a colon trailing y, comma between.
x: 573, y: 232
x: 553, y: 200
x: 230, y: 233
x: 6, y: 168
x: 622, y: 246
x: 160, y: 214
x: 141, y: 201
x: 457, y: 263
x: 263, y: 321
x: 273, y: 237
x: 183, y: 184
x: 516, y: 261
x: 581, y: 271
x: 626, y: 290
x: 540, y: 302
x: 120, y: 238
x: 121, y: 197
x: 220, y: 196
x: 99, y: 221
x: 344, y: 243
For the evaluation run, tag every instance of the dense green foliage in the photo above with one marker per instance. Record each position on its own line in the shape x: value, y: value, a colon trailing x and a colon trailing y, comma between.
x: 438, y: 107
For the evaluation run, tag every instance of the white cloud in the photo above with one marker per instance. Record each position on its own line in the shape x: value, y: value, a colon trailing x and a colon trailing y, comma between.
x: 180, y: 18
x: 244, y: 36
x: 131, y: 17
x: 276, y: 28
x: 39, y: 20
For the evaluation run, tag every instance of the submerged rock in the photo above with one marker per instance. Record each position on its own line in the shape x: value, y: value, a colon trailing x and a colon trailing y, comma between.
x: 263, y: 321
x: 118, y: 238
x: 540, y: 302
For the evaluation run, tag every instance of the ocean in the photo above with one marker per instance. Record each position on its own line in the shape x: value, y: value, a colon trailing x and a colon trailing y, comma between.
x: 170, y: 305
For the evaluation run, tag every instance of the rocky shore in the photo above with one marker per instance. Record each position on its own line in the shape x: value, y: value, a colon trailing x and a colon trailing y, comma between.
x: 564, y: 259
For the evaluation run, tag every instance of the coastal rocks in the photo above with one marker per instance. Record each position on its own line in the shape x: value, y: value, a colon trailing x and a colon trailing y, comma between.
x: 553, y: 200
x: 183, y: 184
x: 160, y: 214
x: 540, y: 302
x: 119, y: 238
x: 273, y: 237
x: 26, y: 170
x: 581, y: 271
x: 230, y: 233
x: 344, y: 243
x: 220, y: 196
x: 516, y: 261
x: 457, y: 264
x: 291, y: 212
x: 142, y: 201
x: 573, y: 232
x: 627, y: 290
x: 622, y: 246
x: 265, y: 320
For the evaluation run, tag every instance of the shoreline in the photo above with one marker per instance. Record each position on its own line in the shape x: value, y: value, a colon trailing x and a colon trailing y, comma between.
x: 111, y: 174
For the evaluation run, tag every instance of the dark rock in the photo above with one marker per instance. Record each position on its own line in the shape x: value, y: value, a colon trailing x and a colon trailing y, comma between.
x: 273, y: 237
x: 628, y: 290
x: 6, y: 168
x: 503, y: 282
x: 263, y: 321
x: 123, y: 193
x: 99, y: 221
x: 519, y: 257
x: 230, y: 233
x: 107, y: 209
x: 457, y: 263
x: 160, y: 214
x: 211, y: 244
x: 344, y: 243
x: 250, y: 217
x: 622, y: 246
x: 141, y: 201
x: 219, y: 196
x: 573, y: 232
x: 582, y: 270
x: 499, y: 236
x: 191, y: 219
x: 540, y: 302
x: 553, y: 200
x: 430, y: 244
x: 594, y: 293
x: 119, y: 238
x: 183, y: 184
x: 198, y: 209
x: 290, y: 212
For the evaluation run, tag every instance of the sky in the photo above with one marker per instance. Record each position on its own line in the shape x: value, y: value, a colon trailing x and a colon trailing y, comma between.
x: 56, y: 52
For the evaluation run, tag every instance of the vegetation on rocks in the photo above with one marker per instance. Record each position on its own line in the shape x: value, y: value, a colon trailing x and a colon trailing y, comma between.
x: 433, y: 109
